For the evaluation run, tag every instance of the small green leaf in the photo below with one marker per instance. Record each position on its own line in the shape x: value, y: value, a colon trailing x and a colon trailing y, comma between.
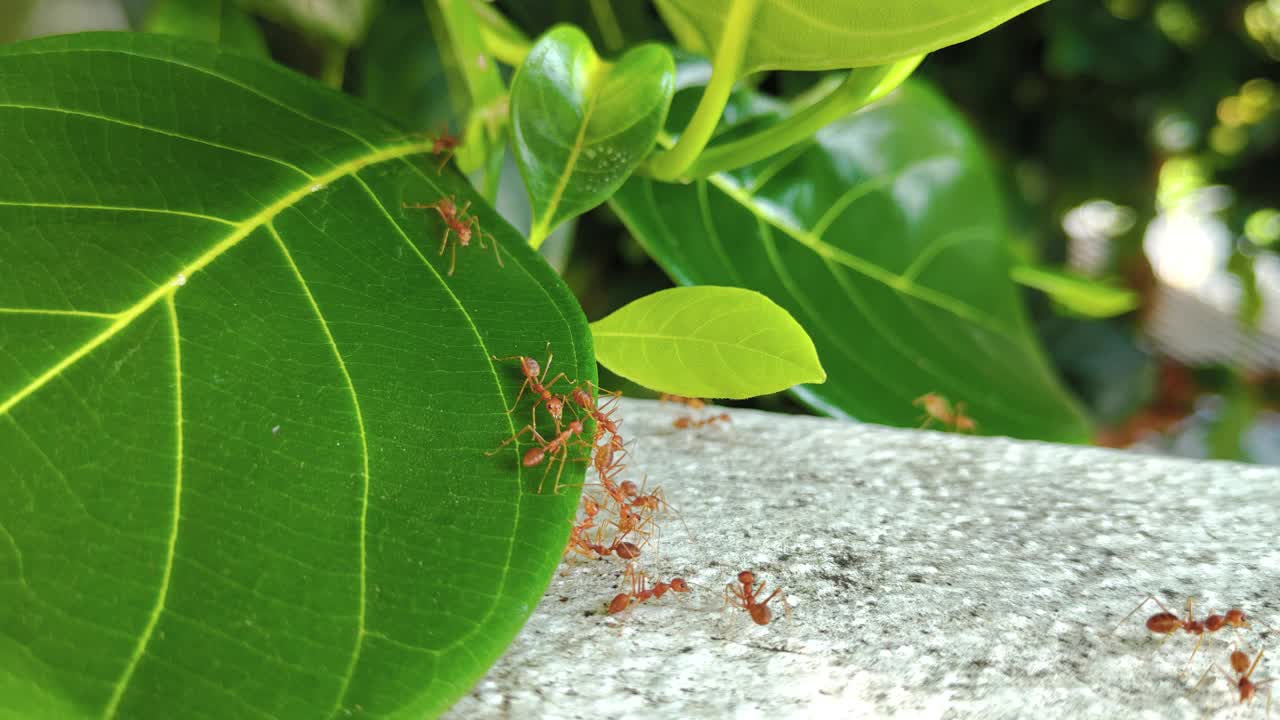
x: 1077, y: 294
x: 583, y: 125
x: 885, y: 238
x: 215, y: 21
x: 244, y: 408
x: 713, y: 342
x: 833, y: 34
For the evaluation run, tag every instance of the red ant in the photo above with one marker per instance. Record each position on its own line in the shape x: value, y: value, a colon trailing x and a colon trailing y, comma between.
x: 1166, y: 623
x: 530, y: 369
x: 604, y: 420
x: 558, y: 445
x: 685, y: 422
x: 444, y: 143
x: 691, y: 403
x: 745, y: 598
x: 641, y: 593
x: 1243, y: 668
x: 936, y: 407
x: 577, y: 540
x: 625, y: 549
x: 457, y: 222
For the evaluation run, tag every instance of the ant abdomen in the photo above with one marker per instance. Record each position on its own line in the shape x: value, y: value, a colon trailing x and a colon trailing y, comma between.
x: 1164, y: 623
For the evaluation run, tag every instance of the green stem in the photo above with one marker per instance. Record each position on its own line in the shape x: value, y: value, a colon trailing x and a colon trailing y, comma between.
x: 610, y: 31
x: 335, y: 66
x: 862, y: 87
x: 725, y: 68
x: 502, y: 38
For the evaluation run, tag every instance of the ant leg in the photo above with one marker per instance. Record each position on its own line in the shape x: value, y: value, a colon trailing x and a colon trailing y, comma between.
x: 513, y: 438
x: 445, y: 242
x: 1147, y: 599
x: 563, y: 453
x: 453, y: 258
x: 497, y: 251
x: 1194, y: 650
x: 520, y: 394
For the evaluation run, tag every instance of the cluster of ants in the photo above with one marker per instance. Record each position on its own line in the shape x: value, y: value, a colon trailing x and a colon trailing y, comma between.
x: 620, y: 519
x: 1167, y: 623
x: 938, y: 408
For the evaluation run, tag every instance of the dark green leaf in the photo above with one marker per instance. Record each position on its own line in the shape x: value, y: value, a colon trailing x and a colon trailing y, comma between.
x: 885, y: 239
x: 399, y: 68
x: 832, y: 34
x: 582, y: 125
x: 243, y: 408
x: 215, y: 21
x: 712, y: 342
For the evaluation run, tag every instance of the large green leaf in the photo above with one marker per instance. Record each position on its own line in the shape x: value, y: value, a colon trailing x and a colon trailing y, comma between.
x: 243, y: 409
x: 582, y: 125
x: 885, y: 239
x: 832, y: 34
x: 712, y: 342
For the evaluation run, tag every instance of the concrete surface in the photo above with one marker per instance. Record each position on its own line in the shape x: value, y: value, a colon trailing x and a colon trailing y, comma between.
x: 930, y: 575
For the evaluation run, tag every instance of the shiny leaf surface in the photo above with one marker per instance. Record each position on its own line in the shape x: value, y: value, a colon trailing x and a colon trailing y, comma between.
x: 711, y: 342
x: 244, y: 409
x: 885, y: 239
x: 832, y: 34
x: 582, y: 125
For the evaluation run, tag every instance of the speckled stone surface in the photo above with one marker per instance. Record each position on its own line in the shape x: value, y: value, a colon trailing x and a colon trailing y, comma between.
x: 929, y: 575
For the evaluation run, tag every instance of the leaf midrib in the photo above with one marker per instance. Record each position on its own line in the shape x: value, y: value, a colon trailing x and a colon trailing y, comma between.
x: 242, y: 230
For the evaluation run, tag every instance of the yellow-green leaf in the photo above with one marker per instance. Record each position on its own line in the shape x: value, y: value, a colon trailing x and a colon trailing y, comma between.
x: 1077, y: 294
x: 832, y: 34
x: 715, y: 342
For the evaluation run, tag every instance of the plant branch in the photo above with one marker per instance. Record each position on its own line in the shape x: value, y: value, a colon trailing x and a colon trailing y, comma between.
x: 861, y: 87
x: 504, y: 40
x: 672, y: 164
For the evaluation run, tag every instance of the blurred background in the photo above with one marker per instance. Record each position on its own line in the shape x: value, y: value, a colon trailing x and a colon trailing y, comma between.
x: 1139, y: 141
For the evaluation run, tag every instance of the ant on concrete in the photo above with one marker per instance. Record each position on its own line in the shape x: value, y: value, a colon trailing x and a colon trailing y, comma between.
x: 1243, y: 669
x: 640, y: 592
x: 691, y: 403
x: 1167, y: 623
x: 531, y: 370
x: 685, y: 422
x: 746, y: 596
x: 458, y: 223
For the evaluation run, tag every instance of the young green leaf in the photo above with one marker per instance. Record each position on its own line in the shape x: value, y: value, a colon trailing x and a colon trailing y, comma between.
x: 582, y: 125
x: 885, y: 239
x: 1077, y: 294
x: 713, y: 342
x: 244, y: 408
x: 833, y: 34
x: 216, y: 21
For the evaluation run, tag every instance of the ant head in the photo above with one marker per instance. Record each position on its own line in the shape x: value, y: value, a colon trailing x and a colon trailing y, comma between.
x: 679, y: 585
x: 555, y: 406
x: 1246, y: 689
x: 1236, y: 618
x: 530, y: 367
x: 464, y: 234
x: 746, y: 577
x: 534, y: 457
x: 590, y: 506
x: 629, y: 488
